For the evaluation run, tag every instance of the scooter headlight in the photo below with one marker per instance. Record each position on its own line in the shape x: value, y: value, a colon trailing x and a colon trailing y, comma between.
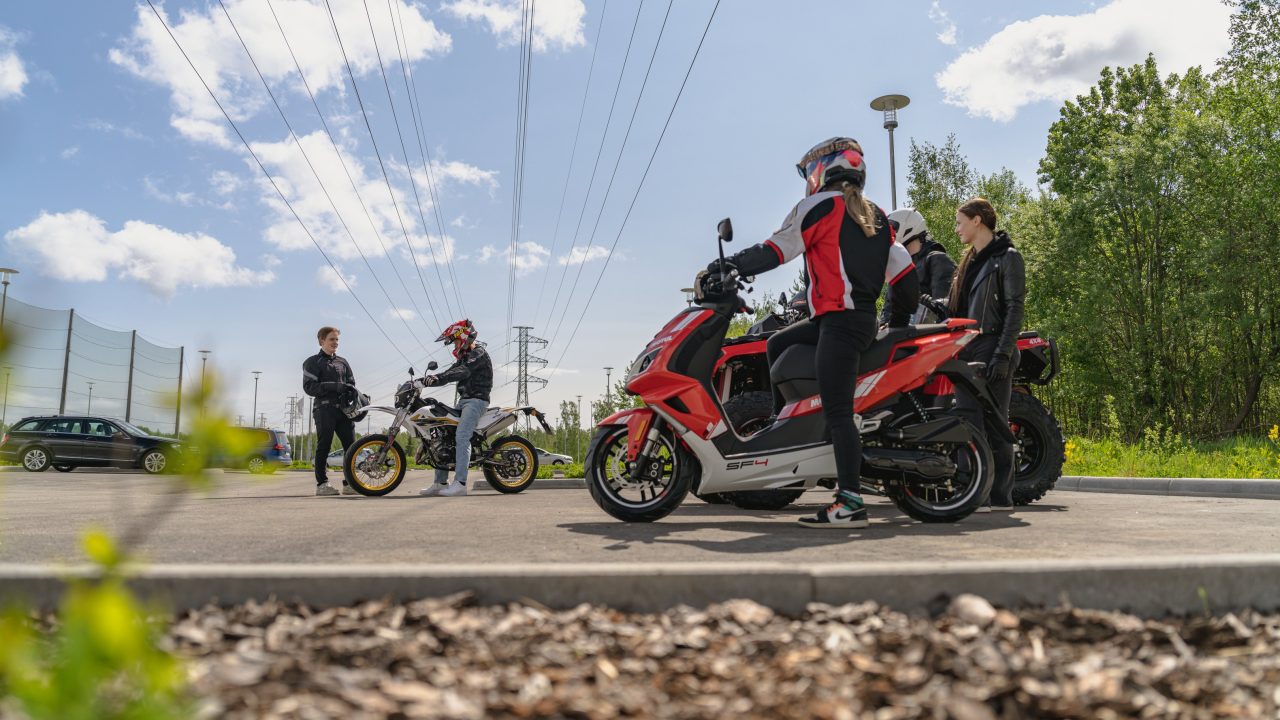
x: 642, y: 363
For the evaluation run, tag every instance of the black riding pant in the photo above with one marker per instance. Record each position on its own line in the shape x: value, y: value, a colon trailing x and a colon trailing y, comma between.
x: 840, y: 338
x: 330, y: 420
x: 981, y: 350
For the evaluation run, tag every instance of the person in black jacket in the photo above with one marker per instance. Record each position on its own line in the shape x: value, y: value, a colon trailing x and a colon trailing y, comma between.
x: 473, y: 372
x: 934, y: 266
x: 990, y: 287
x: 327, y: 378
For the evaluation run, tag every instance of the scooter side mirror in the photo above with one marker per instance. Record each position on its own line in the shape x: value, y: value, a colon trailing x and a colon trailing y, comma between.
x: 725, y: 229
x: 433, y: 365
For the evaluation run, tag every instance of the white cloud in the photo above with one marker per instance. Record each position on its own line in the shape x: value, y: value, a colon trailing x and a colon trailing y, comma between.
x: 153, y: 188
x: 13, y: 74
x: 211, y: 43
x: 327, y: 277
x: 401, y: 314
x: 555, y: 22
x: 110, y: 127
x: 1056, y: 57
x: 288, y: 166
x: 529, y: 257
x: 76, y: 246
x: 70, y: 152
x: 579, y: 255
x: 946, y: 27
x: 224, y: 183
x: 459, y: 172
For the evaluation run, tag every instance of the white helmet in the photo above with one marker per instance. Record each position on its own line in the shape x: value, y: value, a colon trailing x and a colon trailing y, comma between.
x: 908, y: 223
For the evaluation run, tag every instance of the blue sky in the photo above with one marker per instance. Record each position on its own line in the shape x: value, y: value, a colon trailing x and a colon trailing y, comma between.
x: 127, y: 195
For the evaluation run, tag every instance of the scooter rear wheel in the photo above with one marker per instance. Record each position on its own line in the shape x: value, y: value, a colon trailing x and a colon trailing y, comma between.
x: 608, y: 475
x: 975, y: 472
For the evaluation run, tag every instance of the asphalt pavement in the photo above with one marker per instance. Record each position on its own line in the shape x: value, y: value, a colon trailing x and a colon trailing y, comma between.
x: 276, y: 519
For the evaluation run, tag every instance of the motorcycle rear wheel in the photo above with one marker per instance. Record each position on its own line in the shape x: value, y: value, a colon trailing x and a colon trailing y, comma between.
x: 367, y: 478
x: 608, y: 477
x: 517, y: 466
x: 974, y: 468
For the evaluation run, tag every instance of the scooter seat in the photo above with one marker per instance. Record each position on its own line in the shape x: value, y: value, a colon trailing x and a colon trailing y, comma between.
x: 796, y: 373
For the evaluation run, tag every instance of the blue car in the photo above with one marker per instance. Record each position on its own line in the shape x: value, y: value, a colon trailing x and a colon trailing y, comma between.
x: 269, y: 451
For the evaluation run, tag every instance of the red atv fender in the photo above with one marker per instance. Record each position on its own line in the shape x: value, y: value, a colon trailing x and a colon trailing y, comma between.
x: 638, y: 422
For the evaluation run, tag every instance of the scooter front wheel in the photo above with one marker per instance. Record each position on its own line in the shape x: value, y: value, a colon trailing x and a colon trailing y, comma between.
x: 653, y: 497
x: 366, y: 474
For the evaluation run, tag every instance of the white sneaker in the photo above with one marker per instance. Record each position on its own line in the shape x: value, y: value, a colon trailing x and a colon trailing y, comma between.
x: 325, y: 489
x: 455, y: 489
x: 348, y: 490
x: 431, y: 490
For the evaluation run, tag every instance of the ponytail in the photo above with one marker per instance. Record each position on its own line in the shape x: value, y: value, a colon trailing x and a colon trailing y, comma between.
x: 859, y: 208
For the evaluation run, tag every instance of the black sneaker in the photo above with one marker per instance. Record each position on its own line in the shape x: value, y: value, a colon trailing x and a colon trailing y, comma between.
x: 839, y: 515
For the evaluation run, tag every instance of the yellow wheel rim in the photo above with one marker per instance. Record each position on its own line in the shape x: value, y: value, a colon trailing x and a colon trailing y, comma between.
x: 527, y: 457
x: 375, y: 478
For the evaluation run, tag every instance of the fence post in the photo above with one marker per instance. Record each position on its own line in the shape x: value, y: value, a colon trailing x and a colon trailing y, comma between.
x: 128, y: 398
x: 66, y: 363
x: 177, y: 412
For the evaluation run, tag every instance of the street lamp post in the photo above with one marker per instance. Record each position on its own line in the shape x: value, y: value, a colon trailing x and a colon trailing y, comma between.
x: 89, y: 409
x: 577, y: 435
x: 890, y: 105
x: 4, y: 415
x: 254, y: 417
x: 5, y: 274
x: 204, y: 358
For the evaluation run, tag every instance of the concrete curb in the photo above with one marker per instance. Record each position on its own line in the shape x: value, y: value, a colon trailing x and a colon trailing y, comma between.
x: 1192, y: 487
x: 1150, y: 587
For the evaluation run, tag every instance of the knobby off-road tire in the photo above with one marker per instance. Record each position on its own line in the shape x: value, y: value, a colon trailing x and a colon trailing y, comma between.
x: 1038, y: 465
x: 748, y: 414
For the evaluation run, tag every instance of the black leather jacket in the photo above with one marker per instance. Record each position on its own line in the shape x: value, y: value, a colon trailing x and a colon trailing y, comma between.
x: 473, y: 372
x: 997, y: 295
x: 935, y: 269
x: 326, y: 377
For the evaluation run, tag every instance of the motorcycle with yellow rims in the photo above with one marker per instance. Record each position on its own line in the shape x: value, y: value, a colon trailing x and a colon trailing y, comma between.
x: 375, y: 464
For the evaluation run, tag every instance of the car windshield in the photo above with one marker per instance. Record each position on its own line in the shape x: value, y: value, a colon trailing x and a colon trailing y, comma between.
x: 130, y: 428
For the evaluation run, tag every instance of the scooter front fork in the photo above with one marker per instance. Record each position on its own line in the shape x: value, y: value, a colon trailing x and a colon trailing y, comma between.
x: 640, y: 470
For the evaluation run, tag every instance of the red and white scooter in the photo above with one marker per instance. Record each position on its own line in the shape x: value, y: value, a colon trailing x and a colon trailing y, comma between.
x: 642, y: 462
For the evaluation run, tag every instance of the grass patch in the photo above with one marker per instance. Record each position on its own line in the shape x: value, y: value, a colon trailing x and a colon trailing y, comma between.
x: 1162, y: 454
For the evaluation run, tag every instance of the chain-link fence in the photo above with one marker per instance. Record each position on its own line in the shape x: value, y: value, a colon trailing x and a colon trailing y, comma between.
x: 61, y: 363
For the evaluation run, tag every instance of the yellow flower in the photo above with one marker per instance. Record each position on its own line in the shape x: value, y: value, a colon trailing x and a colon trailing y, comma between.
x: 1274, y: 435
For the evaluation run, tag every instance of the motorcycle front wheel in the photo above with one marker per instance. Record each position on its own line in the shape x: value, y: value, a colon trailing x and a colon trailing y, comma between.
x: 363, y: 471
x: 653, y: 497
x: 514, y: 465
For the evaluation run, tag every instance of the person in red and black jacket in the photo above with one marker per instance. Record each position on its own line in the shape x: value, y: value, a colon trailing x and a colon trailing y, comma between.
x: 849, y: 252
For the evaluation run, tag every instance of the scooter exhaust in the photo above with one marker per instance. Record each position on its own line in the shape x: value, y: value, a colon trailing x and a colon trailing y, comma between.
x: 895, y: 464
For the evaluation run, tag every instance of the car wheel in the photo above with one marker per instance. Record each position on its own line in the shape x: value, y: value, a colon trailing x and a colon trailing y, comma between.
x: 257, y: 464
x: 64, y: 468
x: 36, y: 459
x: 155, y: 462
x: 559, y: 462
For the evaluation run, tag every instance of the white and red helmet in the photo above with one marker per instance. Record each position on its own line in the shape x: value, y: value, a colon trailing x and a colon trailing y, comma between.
x: 839, y: 158
x: 460, y: 334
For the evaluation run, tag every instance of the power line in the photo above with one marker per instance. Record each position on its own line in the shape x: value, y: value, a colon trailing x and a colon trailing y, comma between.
x: 409, y: 169
x: 654, y: 154
x: 385, y: 176
x: 522, y: 128
x: 423, y: 147
x: 596, y: 165
x: 270, y: 179
x: 614, y: 173
x: 573, y: 154
x: 316, y: 173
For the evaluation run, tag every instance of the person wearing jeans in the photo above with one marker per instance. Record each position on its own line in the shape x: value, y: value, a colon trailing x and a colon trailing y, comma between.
x: 473, y: 372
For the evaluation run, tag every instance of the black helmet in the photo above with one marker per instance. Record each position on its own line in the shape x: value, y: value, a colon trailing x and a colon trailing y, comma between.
x: 353, y: 404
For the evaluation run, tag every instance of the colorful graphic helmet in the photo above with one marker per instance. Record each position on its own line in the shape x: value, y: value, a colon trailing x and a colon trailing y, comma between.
x: 839, y: 158
x: 460, y: 334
